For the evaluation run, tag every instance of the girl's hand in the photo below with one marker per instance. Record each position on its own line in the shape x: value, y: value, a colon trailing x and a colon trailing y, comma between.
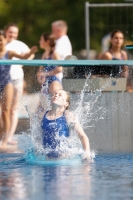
x: 33, y: 49
x: 41, y: 78
x: 86, y: 155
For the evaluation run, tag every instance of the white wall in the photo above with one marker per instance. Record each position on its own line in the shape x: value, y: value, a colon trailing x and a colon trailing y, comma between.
x: 110, y: 120
x: 112, y: 117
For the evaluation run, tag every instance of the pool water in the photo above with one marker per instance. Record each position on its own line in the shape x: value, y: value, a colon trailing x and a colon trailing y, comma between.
x: 107, y: 177
x: 25, y: 176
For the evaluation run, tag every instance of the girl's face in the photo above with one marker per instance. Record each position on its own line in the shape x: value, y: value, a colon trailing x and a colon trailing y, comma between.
x: 60, y: 98
x: 117, y: 40
x: 43, y: 43
x: 2, y: 42
x: 11, y: 33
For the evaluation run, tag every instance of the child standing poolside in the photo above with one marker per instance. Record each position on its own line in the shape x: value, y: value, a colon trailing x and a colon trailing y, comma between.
x: 50, y: 76
x: 56, y: 121
x: 6, y: 87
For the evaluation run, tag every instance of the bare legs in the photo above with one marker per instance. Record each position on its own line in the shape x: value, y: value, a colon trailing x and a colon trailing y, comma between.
x: 5, y: 111
x: 18, y: 87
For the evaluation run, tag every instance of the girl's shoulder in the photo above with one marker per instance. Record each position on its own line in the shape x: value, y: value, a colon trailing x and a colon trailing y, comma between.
x: 5, y: 55
x: 124, y: 54
x: 106, y: 56
x: 71, y: 118
x: 69, y: 115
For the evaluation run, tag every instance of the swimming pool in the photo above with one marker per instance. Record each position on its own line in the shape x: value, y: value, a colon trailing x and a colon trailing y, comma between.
x: 109, y: 176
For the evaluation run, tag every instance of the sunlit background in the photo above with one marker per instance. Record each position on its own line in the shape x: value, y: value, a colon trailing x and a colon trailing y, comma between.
x: 35, y: 17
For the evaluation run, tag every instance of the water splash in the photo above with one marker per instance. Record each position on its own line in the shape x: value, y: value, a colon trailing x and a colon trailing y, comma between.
x: 69, y: 147
x: 84, y: 103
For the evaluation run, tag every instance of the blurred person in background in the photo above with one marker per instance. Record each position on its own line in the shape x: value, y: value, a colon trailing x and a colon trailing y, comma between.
x: 50, y: 76
x: 6, y: 88
x: 16, y: 73
x: 63, y: 45
x: 116, y: 52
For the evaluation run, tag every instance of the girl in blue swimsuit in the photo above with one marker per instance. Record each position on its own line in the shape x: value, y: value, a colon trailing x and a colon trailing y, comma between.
x: 50, y: 76
x: 6, y: 87
x: 55, y: 126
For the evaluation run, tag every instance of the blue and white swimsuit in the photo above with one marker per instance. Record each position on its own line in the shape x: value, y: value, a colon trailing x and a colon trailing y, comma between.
x: 52, y: 130
x: 49, y: 79
x: 4, y: 73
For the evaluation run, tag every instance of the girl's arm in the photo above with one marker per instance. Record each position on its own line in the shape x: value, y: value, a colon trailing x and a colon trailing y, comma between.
x: 81, y: 134
x: 41, y: 68
x: 124, y: 53
x: 125, y: 69
x: 41, y: 78
x: 83, y: 138
x: 23, y: 56
x: 54, y: 71
x: 58, y: 69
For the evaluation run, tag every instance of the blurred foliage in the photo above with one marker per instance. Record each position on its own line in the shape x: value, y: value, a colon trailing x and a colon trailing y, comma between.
x: 35, y: 17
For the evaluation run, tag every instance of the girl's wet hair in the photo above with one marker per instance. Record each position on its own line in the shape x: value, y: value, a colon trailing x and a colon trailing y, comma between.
x: 2, y: 33
x: 68, y: 99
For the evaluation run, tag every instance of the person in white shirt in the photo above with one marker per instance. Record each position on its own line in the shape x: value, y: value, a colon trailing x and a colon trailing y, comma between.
x: 16, y: 73
x: 63, y: 45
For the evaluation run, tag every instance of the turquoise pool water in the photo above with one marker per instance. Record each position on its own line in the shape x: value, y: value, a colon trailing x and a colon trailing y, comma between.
x: 25, y: 177
x: 107, y: 177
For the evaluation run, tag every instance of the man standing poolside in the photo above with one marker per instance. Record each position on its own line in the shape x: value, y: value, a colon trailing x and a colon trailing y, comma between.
x: 63, y: 45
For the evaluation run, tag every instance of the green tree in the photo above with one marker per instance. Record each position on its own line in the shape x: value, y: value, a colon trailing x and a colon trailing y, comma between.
x: 35, y: 17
